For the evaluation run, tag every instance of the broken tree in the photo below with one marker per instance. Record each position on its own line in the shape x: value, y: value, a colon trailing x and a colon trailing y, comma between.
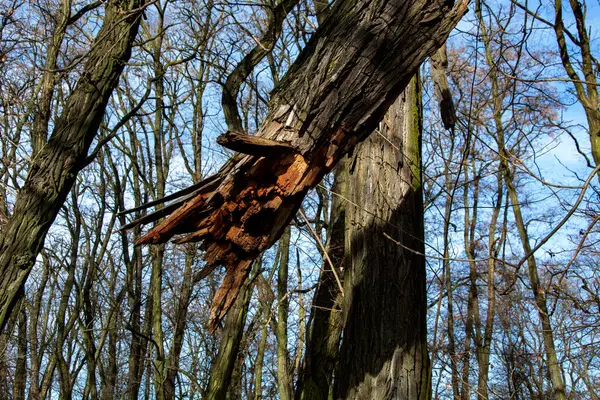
x: 332, y: 98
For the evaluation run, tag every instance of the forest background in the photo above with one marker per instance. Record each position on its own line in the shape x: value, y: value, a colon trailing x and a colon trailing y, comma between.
x: 510, y: 201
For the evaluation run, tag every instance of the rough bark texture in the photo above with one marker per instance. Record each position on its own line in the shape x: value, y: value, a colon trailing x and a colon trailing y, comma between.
x: 223, y: 366
x: 20, y: 381
x: 55, y: 168
x: 384, y: 347
x: 334, y: 95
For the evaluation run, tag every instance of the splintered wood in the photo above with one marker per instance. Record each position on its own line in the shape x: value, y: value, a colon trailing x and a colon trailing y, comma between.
x: 254, y: 145
x: 241, y: 218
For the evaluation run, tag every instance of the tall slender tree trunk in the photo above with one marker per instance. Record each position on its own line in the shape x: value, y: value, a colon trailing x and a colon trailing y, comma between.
x: 157, y: 252
x: 183, y: 303
x: 384, y: 347
x: 266, y: 304
x: 284, y: 379
x: 63, y: 323
x: 315, y: 381
x: 447, y: 273
x: 110, y: 371
x: 473, y: 319
x: 55, y: 168
x: 20, y: 381
x: 35, y: 356
x: 539, y: 294
x: 133, y: 264
x: 231, y: 338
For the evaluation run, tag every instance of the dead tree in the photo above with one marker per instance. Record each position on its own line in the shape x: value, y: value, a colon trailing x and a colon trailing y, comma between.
x: 333, y: 96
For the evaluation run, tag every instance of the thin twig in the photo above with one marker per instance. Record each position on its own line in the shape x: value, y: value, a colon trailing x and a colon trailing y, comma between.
x: 318, y: 239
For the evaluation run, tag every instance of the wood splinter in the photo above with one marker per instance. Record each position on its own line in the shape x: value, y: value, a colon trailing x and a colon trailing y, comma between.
x: 254, y: 145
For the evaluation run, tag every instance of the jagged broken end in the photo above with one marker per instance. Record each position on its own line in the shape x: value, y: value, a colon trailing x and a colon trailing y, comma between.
x: 228, y: 292
x: 244, y: 215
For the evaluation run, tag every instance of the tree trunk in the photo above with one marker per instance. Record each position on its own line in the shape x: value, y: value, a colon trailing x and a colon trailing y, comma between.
x: 266, y: 305
x: 133, y: 270
x: 179, y: 325
x: 384, y: 346
x: 64, y: 321
x: 333, y: 96
x: 55, y: 168
x: 222, y: 369
x: 35, y: 355
x: 20, y: 381
x: 447, y: 273
x: 484, y: 343
x: 284, y: 380
x: 539, y: 294
x: 315, y: 380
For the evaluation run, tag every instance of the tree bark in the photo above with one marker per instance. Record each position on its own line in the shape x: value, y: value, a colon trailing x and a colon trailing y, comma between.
x: 333, y: 96
x: 384, y: 347
x: 284, y: 379
x: 20, y: 381
x: 55, y: 168
x: 222, y: 369
x: 64, y: 322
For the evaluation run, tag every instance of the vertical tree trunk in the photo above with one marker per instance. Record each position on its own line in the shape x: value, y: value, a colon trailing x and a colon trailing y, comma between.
x: 539, y: 294
x: 315, y: 380
x: 110, y: 377
x: 301, y: 336
x: 20, y: 381
x: 133, y: 277
x: 447, y: 274
x: 64, y: 324
x: 484, y: 341
x: 183, y: 303
x: 55, y: 168
x: 231, y: 338
x: 284, y: 380
x: 384, y: 346
x: 473, y: 319
x: 260, y: 357
x: 157, y: 252
x: 35, y: 356
x: 266, y: 297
